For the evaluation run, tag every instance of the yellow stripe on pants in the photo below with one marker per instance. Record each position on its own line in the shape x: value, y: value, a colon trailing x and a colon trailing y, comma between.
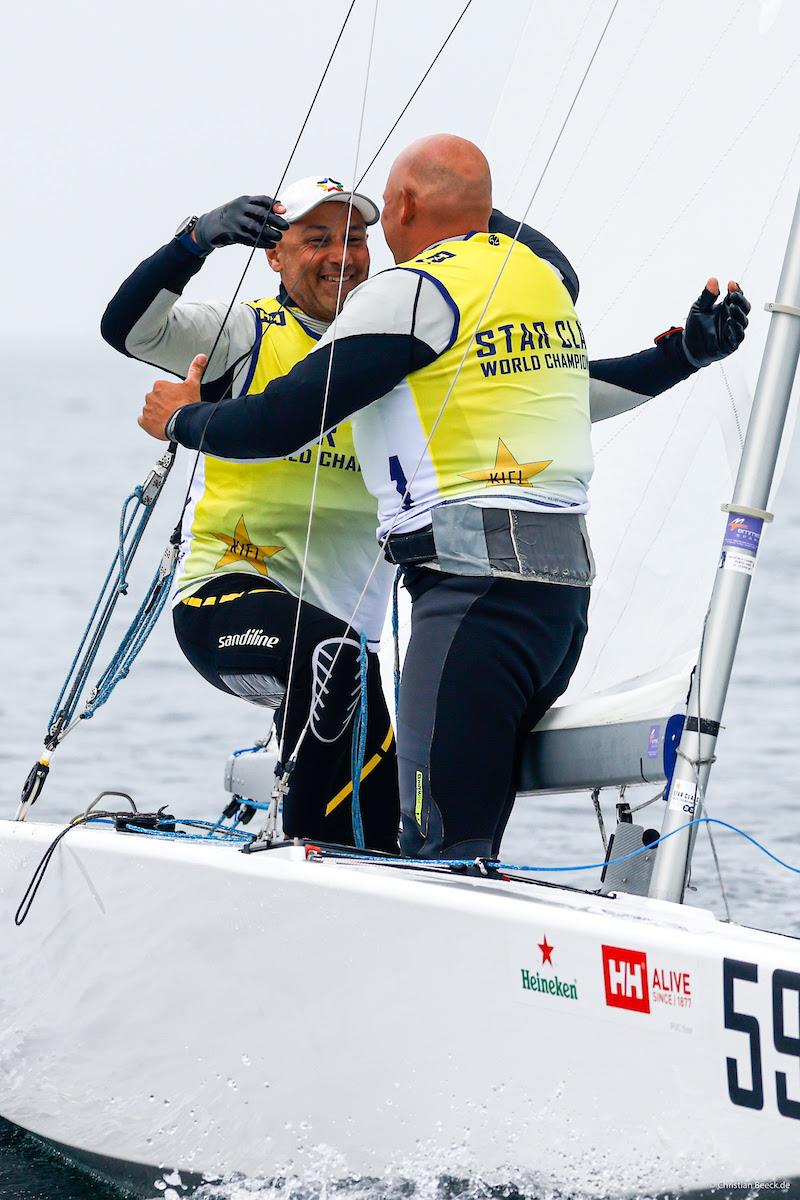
x: 366, y: 770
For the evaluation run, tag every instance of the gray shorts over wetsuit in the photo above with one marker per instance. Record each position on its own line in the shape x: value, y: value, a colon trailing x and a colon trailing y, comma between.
x: 488, y: 656
x: 486, y: 660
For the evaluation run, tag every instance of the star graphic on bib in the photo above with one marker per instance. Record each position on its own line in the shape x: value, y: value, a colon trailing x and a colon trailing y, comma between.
x: 242, y: 549
x: 547, y: 951
x: 506, y: 470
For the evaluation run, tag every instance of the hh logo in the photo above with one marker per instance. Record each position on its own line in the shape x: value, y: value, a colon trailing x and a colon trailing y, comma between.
x: 625, y: 974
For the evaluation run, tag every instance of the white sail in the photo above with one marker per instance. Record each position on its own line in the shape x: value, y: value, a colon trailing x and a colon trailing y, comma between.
x: 699, y: 179
x: 679, y: 162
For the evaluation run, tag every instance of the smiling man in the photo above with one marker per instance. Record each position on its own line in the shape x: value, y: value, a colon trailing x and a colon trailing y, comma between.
x: 245, y: 528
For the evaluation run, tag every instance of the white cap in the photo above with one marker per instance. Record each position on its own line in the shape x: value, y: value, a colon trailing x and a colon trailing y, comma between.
x: 304, y: 194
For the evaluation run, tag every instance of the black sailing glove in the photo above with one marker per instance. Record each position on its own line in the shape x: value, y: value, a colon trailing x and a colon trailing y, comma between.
x: 714, y: 327
x: 247, y: 221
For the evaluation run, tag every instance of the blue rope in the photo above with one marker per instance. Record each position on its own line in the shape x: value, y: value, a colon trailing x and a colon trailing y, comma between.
x: 209, y: 835
x: 119, y: 560
x: 231, y: 835
x: 359, y: 747
x: 122, y: 581
x: 243, y: 803
x: 495, y: 864
x: 396, y: 640
x: 133, y: 639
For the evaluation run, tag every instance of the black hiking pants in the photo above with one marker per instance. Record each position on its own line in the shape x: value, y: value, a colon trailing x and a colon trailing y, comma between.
x: 237, y: 632
x: 487, y: 658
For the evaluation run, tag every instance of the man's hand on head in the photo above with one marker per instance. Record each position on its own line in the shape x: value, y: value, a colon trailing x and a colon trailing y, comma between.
x: 246, y: 221
x: 714, y: 327
x: 166, y: 398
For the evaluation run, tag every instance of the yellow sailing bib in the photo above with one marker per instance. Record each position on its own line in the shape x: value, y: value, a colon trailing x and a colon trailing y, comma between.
x: 515, y: 429
x: 251, y: 517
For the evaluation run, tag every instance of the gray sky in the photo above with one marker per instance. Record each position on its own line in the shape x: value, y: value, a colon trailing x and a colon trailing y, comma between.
x: 124, y: 119
x: 120, y: 120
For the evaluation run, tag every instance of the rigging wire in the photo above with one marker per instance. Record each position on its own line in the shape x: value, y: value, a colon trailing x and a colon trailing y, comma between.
x: 324, y: 415
x: 309, y: 264
x: 689, y: 204
x: 632, y: 58
x: 156, y: 597
x: 551, y: 102
x: 284, y: 173
x: 598, y: 812
x: 720, y: 880
x: 638, y: 412
x: 734, y: 409
x: 349, y: 207
x: 408, y: 103
x: 745, y: 269
x: 520, y: 46
x: 636, y: 275
x: 630, y: 591
x: 251, y: 255
x: 366, y: 170
x: 134, y: 639
x: 698, y: 799
x: 775, y: 196
x: 656, y: 141
x: 371, y: 162
x: 399, y: 511
x: 132, y: 524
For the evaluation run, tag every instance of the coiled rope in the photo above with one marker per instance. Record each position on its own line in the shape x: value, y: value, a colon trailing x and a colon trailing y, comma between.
x: 135, y: 515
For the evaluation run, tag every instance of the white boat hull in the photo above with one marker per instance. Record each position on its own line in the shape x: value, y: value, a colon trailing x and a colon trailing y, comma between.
x: 194, y: 1008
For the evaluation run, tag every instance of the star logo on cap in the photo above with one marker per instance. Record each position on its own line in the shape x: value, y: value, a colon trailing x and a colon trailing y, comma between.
x: 330, y: 185
x: 547, y: 951
x: 242, y: 549
x: 507, y: 471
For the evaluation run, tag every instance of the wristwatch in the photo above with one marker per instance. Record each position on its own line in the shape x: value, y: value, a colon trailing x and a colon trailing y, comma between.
x: 186, y: 226
x: 184, y: 235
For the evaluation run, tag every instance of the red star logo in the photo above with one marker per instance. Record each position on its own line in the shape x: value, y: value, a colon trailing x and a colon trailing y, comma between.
x: 547, y: 951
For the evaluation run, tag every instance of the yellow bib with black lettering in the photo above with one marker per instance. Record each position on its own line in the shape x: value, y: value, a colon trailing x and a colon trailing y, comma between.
x: 252, y: 517
x: 501, y: 417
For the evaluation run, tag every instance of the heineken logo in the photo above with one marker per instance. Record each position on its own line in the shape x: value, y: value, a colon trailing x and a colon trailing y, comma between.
x: 550, y: 984
x: 547, y: 982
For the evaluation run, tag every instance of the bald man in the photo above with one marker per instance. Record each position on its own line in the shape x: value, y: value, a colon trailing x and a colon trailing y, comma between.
x: 465, y: 372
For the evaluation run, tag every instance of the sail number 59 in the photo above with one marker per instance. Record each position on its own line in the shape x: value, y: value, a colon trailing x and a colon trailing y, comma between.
x: 746, y: 1085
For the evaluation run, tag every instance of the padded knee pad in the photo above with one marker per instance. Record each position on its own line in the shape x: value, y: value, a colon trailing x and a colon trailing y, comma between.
x: 266, y: 690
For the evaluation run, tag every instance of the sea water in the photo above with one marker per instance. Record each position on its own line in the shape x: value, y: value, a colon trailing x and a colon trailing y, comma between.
x: 71, y: 453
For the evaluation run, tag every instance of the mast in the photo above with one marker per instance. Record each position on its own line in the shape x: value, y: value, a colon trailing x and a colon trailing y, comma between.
x: 747, y: 515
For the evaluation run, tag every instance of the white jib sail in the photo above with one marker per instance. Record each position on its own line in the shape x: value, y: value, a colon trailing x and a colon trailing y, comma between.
x: 679, y: 162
